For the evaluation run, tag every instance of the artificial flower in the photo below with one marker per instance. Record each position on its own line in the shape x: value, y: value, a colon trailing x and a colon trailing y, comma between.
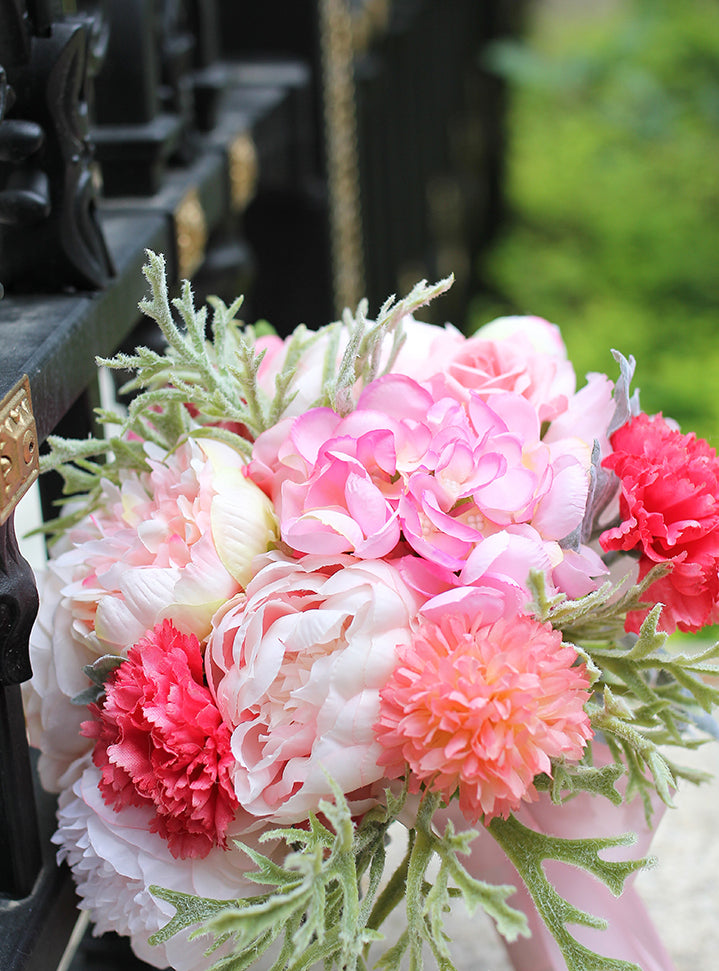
x: 160, y: 742
x: 173, y: 542
x: 368, y: 600
x: 524, y: 355
x: 165, y: 543
x: 480, y: 709
x: 116, y: 857
x: 296, y: 665
x: 669, y: 512
x: 57, y: 656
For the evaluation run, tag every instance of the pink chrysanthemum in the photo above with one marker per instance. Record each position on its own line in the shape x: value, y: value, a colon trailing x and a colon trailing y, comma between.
x: 481, y: 709
x: 161, y: 742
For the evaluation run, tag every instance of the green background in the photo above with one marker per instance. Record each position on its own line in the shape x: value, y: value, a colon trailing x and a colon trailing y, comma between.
x: 613, y: 191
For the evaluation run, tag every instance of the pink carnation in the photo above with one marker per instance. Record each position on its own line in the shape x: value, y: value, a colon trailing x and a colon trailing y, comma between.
x: 481, y: 709
x: 161, y: 742
x: 669, y: 510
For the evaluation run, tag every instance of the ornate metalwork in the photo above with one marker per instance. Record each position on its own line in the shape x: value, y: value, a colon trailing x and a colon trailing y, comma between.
x: 18, y: 470
x: 47, y: 192
x: 190, y: 234
x: 18, y: 447
x: 341, y: 145
x: 243, y: 166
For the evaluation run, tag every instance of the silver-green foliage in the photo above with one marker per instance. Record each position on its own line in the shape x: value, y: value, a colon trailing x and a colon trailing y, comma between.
x: 217, y: 376
x: 314, y: 909
x: 646, y: 695
x: 329, y: 897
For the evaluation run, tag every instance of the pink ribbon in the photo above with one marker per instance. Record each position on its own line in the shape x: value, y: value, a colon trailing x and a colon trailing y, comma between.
x: 630, y: 934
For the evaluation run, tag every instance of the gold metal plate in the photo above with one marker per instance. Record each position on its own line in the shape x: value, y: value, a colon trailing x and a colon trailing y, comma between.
x: 242, y: 157
x: 19, y: 459
x: 191, y: 233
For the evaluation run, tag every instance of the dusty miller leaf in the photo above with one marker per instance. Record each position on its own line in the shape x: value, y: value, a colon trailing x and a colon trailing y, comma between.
x: 528, y: 849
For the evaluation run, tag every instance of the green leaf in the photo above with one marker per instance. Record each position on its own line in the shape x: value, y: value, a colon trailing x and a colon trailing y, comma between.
x: 528, y: 849
x: 98, y: 672
x: 568, y: 778
x: 190, y: 911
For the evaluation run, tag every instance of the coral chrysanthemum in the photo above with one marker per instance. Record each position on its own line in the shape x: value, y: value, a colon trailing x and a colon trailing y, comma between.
x: 161, y: 742
x: 482, y: 709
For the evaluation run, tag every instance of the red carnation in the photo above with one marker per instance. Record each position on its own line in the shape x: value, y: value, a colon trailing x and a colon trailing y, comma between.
x: 160, y: 741
x: 669, y: 506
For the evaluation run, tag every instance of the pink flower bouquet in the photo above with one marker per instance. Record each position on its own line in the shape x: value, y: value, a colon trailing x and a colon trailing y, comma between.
x: 378, y: 575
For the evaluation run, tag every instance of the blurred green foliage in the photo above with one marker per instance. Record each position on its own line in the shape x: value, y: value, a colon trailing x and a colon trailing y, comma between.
x: 613, y: 186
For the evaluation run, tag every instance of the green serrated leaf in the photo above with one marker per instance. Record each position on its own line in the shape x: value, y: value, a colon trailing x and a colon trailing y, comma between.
x: 528, y: 849
x: 191, y: 911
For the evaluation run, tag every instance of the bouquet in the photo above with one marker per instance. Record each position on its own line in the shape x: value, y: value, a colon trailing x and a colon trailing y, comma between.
x: 376, y: 576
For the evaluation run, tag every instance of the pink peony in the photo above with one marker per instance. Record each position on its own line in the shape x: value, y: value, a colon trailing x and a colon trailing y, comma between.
x: 177, y: 541
x: 160, y: 742
x: 669, y: 511
x: 481, y: 709
x: 57, y: 656
x: 296, y: 667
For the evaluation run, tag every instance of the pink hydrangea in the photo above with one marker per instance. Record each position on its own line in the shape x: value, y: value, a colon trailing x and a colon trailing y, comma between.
x: 669, y: 511
x: 160, y: 742
x: 439, y: 474
x: 296, y: 666
x: 480, y: 709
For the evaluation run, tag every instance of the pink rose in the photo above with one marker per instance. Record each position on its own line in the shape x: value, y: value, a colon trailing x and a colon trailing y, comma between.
x: 524, y: 355
x: 296, y: 666
x: 428, y: 349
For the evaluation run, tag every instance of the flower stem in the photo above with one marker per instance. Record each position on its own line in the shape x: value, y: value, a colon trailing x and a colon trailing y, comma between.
x: 393, y: 892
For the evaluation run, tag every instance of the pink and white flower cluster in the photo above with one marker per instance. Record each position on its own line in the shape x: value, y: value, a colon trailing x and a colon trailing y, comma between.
x: 353, y: 602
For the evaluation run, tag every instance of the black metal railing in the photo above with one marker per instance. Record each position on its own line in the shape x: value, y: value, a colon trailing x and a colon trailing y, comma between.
x: 305, y: 152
